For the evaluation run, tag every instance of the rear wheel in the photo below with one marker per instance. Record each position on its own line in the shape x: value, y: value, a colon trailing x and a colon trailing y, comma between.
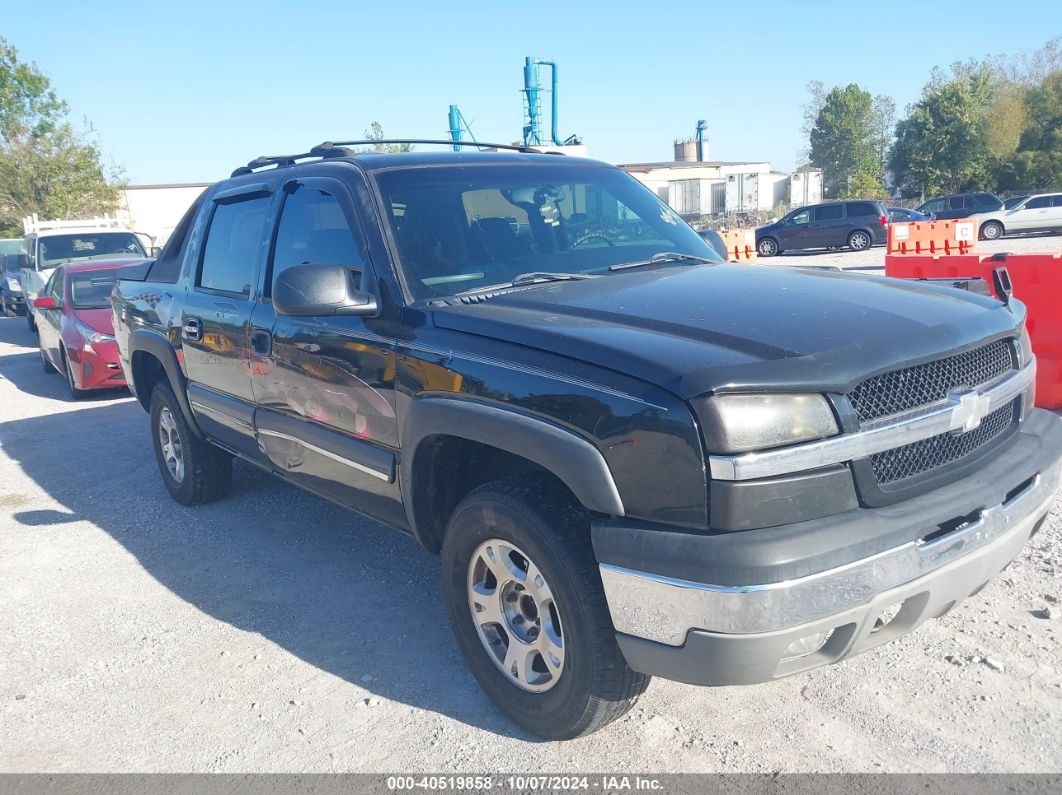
x: 193, y: 470
x: 527, y: 608
x: 859, y: 240
x: 767, y: 247
x: 991, y: 230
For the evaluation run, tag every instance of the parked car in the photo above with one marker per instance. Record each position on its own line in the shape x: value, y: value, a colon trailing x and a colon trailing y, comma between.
x: 49, y: 244
x: 1041, y: 212
x: 960, y: 205
x: 856, y: 224
x: 74, y: 328
x: 635, y: 460
x: 11, y: 299
x: 903, y: 215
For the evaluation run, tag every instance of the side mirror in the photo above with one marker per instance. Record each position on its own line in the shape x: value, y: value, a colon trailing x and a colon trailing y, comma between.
x: 320, y: 291
x: 24, y: 261
x: 715, y: 240
x: 155, y: 251
x: 45, y: 302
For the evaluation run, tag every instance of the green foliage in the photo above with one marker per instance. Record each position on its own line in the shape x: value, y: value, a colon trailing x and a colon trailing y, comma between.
x: 842, y: 138
x: 46, y: 166
x: 376, y: 133
x: 942, y: 145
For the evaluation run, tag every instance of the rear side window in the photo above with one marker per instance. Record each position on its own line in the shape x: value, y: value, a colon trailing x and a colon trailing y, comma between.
x: 1057, y: 200
x: 861, y: 209
x: 957, y: 203
x: 167, y: 268
x: 233, y: 241
x: 986, y: 200
x: 314, y: 229
x: 1038, y: 203
x: 829, y: 212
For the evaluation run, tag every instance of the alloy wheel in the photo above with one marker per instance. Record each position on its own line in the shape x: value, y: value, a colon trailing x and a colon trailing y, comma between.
x: 515, y: 615
x: 170, y: 444
x: 859, y: 241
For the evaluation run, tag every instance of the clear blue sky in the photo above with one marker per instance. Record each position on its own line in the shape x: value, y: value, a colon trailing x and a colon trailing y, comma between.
x: 185, y: 92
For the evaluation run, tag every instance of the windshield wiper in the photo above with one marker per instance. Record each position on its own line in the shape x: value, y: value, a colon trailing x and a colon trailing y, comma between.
x: 532, y: 277
x: 663, y: 256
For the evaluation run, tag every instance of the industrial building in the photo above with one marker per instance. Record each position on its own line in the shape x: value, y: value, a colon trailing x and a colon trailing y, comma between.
x: 701, y: 189
x: 154, y: 210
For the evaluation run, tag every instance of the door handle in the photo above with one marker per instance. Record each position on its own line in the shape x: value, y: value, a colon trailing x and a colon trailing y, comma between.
x: 193, y: 329
x: 262, y: 342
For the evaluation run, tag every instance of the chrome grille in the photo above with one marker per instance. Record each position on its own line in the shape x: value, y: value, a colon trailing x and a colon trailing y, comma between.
x: 902, y: 390
x: 926, y: 455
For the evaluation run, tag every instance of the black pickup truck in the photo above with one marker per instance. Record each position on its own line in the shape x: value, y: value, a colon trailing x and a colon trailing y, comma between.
x: 634, y: 459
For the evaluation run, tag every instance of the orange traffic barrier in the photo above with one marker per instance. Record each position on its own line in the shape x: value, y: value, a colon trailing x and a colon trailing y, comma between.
x: 740, y: 245
x: 1037, y: 281
x: 933, y: 237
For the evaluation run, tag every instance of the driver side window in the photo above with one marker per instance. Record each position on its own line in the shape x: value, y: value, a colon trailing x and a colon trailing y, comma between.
x: 803, y: 217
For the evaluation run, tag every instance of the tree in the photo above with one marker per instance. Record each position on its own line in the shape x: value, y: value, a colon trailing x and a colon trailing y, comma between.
x: 846, y: 139
x: 46, y: 166
x: 375, y: 133
x: 1037, y: 164
x: 942, y: 145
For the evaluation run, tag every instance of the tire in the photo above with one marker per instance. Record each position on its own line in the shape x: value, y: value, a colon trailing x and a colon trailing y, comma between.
x: 860, y: 240
x: 991, y: 230
x: 532, y: 521
x: 193, y: 470
x: 75, y: 393
x: 47, y: 366
x: 768, y: 247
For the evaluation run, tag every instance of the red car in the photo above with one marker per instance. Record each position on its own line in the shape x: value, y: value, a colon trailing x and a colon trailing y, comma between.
x: 74, y: 327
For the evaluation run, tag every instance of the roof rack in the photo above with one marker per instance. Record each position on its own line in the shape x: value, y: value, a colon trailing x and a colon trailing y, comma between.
x: 32, y: 223
x: 330, y: 149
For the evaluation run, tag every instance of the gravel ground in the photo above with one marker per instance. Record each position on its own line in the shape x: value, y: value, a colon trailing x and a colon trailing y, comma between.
x: 272, y: 631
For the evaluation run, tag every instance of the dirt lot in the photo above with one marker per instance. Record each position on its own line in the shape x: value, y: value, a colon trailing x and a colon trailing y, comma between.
x: 272, y: 631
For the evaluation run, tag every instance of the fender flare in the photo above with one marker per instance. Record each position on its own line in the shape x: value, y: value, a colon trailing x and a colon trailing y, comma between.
x: 570, y: 457
x: 154, y: 343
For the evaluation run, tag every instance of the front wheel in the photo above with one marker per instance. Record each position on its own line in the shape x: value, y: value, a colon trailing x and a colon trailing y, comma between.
x: 193, y: 470
x: 859, y: 240
x: 993, y: 230
x: 527, y: 608
x: 767, y: 247
x: 45, y: 364
x: 75, y: 393
x: 29, y: 321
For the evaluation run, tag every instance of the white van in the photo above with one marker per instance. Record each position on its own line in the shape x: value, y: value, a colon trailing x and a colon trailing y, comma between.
x: 49, y: 244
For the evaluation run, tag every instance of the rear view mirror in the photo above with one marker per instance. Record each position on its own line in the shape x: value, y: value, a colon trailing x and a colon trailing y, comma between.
x: 45, y: 302
x: 310, y: 290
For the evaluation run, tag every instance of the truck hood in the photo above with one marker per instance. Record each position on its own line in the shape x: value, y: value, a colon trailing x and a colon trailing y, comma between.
x: 698, y: 329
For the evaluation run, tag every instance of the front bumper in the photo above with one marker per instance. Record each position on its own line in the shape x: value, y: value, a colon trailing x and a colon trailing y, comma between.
x: 801, y: 615
x: 97, y: 369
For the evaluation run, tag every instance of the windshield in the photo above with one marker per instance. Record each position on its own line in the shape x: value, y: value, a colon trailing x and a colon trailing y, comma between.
x: 92, y: 289
x: 459, y: 228
x: 78, y: 246
x: 1010, y: 204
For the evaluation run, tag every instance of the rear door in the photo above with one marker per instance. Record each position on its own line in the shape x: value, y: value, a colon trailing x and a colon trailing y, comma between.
x: 216, y: 315
x: 1054, y: 215
x: 829, y: 226
x: 325, y: 389
x: 50, y: 321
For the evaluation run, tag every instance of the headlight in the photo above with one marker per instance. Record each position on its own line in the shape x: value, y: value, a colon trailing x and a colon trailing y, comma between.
x: 92, y: 337
x: 13, y: 285
x: 1025, y: 351
x: 739, y: 423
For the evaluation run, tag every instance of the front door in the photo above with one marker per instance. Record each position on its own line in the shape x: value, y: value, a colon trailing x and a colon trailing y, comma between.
x: 325, y: 391
x: 50, y: 321
x: 216, y: 320
x: 796, y: 230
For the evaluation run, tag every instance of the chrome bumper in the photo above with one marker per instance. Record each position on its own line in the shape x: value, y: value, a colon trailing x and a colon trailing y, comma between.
x: 666, y: 610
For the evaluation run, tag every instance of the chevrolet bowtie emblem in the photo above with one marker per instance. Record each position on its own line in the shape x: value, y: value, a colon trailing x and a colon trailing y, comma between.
x: 970, y: 407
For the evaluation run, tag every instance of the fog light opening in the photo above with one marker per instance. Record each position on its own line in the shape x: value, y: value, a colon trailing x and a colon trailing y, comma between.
x: 809, y: 644
x: 887, y: 615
